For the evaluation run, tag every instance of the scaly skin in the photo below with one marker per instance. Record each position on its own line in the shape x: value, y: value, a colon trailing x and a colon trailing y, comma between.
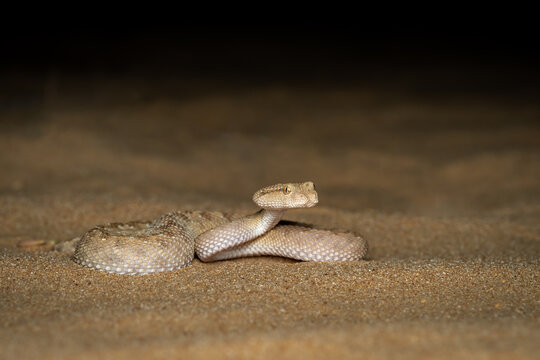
x: 170, y: 241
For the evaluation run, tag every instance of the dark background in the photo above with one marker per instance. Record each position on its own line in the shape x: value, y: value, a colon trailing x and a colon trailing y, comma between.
x: 442, y: 91
x: 496, y: 56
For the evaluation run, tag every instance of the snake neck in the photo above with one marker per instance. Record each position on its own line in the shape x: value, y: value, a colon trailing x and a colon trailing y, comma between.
x: 234, y: 233
x: 264, y: 220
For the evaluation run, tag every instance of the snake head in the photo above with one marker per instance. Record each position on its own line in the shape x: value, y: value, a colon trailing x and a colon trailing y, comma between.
x: 287, y: 196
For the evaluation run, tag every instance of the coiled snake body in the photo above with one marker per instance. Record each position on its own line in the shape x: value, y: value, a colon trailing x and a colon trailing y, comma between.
x: 171, y: 241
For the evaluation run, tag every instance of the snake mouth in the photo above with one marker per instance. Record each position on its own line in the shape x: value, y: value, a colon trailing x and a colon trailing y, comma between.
x: 311, y: 200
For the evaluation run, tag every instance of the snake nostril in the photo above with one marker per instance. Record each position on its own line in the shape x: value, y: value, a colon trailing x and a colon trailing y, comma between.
x: 309, y: 185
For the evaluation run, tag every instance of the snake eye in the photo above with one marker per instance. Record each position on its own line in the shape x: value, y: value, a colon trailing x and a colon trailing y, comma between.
x: 287, y: 190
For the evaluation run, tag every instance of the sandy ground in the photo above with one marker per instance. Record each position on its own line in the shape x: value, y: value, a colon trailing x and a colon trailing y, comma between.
x: 445, y: 189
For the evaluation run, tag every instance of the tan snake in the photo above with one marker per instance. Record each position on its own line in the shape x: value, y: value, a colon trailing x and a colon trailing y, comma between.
x: 170, y: 241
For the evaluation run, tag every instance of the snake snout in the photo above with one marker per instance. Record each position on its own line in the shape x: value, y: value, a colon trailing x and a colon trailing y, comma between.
x: 309, y: 185
x: 310, y: 194
x: 311, y: 199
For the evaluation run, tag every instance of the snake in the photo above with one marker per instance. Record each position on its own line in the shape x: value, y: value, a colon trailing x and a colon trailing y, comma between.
x: 172, y: 240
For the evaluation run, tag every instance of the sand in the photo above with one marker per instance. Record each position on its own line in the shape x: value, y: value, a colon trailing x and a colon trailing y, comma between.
x: 445, y: 187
